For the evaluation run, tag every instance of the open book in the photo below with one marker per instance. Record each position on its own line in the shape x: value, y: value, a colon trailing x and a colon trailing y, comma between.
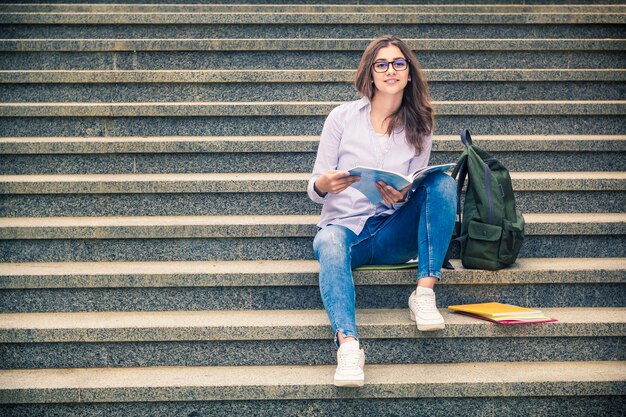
x: 370, y: 176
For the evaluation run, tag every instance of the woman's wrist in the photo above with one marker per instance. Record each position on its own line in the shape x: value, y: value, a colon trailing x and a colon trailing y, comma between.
x: 317, y: 190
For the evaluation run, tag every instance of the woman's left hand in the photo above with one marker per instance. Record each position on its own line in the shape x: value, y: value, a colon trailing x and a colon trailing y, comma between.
x: 390, y: 194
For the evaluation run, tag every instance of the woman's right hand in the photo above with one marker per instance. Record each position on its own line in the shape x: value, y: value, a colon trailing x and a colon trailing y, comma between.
x: 334, y: 182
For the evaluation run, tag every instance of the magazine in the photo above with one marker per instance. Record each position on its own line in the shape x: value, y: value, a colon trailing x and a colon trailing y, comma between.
x: 370, y: 176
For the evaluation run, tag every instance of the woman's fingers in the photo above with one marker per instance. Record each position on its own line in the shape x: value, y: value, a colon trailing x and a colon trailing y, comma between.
x: 384, y: 192
x: 390, y: 195
x: 333, y: 181
x: 343, y: 183
x: 340, y: 180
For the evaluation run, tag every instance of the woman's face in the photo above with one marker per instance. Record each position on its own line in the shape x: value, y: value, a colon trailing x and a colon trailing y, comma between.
x: 393, y: 80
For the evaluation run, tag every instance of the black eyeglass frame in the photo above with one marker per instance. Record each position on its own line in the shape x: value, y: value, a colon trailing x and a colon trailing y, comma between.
x: 393, y: 64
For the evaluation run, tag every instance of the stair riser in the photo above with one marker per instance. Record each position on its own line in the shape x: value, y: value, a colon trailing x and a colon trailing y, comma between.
x: 312, y: 7
x: 581, y: 406
x: 236, y: 3
x: 307, y: 352
x: 258, y: 248
x: 269, y: 162
x: 171, y: 60
x: 297, y: 298
x: 192, y: 92
x: 215, y: 204
x: 266, y: 162
x: 291, y: 125
x: 317, y: 31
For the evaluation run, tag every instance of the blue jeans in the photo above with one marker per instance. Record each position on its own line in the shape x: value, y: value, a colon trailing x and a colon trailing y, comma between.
x: 422, y: 226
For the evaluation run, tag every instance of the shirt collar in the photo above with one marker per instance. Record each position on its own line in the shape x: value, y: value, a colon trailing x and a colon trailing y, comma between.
x: 364, y: 102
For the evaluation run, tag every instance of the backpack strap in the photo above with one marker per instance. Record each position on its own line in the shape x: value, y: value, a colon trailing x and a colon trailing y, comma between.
x: 466, y: 138
x: 459, y: 173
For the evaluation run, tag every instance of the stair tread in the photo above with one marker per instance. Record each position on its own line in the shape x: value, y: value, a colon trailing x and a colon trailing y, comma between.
x: 272, y: 176
x: 299, y: 76
x: 289, y: 272
x: 313, y: 8
x: 235, y: 104
x: 314, y: 17
x: 138, y: 221
x: 264, y: 182
x: 303, y: 382
x: 304, y: 108
x: 158, y: 144
x: 287, y: 325
x: 294, y: 44
x: 276, y: 267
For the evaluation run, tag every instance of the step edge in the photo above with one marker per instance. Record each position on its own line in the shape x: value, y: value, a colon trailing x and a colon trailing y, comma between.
x: 110, y: 327
x: 312, y: 382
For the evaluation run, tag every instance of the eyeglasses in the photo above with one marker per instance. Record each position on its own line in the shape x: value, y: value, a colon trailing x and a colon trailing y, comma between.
x: 383, y: 66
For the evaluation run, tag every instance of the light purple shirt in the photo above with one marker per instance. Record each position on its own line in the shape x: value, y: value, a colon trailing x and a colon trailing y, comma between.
x: 348, y: 140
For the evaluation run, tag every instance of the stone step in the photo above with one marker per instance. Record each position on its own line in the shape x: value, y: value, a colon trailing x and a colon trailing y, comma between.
x: 194, y: 25
x: 284, y: 7
x: 254, y: 226
x: 248, y: 194
x: 307, y: 85
x: 263, y: 183
x: 55, y: 239
x: 316, y: 5
x: 293, y: 285
x: 295, y: 118
x: 255, y: 54
x: 154, y: 155
x: 247, y: 338
x: 572, y: 388
x: 299, y: 76
x: 292, y: 273
x: 304, y: 44
x: 307, y: 18
x: 274, y: 144
x: 446, y: 91
x: 301, y: 108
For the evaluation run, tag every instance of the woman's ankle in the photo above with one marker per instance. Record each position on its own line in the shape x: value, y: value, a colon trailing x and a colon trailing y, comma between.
x: 341, y: 339
x: 427, y: 282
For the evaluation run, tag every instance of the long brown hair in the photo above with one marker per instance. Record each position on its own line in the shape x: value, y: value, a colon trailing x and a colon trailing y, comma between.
x: 416, y: 114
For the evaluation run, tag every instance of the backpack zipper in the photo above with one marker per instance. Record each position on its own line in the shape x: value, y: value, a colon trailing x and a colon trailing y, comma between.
x: 489, y: 194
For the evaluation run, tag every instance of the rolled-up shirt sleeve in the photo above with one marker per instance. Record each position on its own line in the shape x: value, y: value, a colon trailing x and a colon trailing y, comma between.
x: 327, y: 153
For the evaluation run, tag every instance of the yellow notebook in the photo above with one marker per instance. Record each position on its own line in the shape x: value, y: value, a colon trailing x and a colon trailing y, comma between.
x: 495, y: 310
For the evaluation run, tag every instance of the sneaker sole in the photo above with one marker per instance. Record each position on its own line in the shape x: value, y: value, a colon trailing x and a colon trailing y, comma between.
x: 426, y: 327
x: 430, y: 327
x: 349, y: 383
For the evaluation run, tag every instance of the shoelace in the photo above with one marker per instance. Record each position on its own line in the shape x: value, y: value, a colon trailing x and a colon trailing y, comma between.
x: 425, y: 303
x: 348, y: 359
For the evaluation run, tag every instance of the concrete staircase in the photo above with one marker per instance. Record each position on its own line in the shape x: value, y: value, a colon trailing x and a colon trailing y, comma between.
x: 155, y: 233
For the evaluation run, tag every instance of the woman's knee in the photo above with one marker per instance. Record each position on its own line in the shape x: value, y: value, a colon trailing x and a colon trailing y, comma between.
x: 442, y: 184
x: 331, y: 240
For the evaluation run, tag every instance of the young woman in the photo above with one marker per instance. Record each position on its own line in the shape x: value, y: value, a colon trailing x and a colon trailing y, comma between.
x: 390, y: 127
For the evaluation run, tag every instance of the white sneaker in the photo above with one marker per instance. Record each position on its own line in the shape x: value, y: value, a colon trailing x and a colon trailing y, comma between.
x: 423, y: 310
x: 350, y: 363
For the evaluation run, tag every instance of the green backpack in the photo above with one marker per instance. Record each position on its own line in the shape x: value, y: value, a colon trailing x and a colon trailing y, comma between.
x: 491, y: 231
